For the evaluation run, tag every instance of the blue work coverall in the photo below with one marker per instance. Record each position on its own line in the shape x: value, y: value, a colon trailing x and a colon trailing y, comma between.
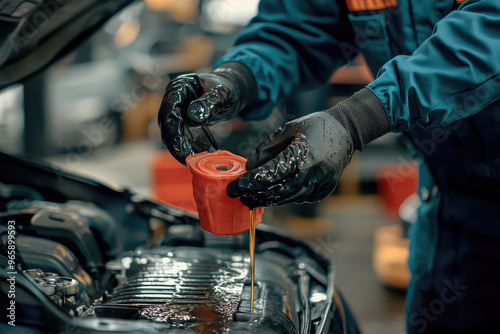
x: 437, y: 67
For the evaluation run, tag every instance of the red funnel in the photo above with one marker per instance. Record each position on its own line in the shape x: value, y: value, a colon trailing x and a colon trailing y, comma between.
x: 219, y: 213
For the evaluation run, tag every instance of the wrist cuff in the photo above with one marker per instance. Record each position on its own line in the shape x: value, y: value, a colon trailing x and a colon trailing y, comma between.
x: 364, y: 117
x: 243, y: 80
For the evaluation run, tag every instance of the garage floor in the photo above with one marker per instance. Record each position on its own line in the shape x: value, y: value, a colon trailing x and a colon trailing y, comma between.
x: 343, y: 230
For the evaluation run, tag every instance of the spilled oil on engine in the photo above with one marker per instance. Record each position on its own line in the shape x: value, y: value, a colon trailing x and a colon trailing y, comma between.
x: 202, y: 295
x: 190, y: 288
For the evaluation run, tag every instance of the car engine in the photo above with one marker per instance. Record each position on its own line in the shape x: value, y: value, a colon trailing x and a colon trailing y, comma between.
x: 88, y: 258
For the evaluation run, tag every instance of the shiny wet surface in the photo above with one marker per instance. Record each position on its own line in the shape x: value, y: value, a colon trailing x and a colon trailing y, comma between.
x: 199, y: 294
x: 202, y: 318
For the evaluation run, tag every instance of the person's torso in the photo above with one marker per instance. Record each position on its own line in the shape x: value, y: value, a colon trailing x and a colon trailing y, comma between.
x: 385, y: 29
x: 463, y: 157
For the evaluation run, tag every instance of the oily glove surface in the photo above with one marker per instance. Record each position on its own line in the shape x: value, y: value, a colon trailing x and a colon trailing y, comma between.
x: 301, y: 162
x: 304, y: 159
x: 190, y: 101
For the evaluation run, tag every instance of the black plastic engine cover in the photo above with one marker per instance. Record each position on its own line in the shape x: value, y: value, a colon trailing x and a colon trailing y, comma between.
x: 202, y: 289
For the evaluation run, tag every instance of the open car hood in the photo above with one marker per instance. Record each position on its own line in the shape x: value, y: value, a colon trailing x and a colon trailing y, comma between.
x: 36, y: 33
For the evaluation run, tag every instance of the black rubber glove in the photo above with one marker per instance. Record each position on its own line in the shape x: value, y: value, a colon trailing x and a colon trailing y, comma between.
x: 192, y: 101
x: 304, y: 159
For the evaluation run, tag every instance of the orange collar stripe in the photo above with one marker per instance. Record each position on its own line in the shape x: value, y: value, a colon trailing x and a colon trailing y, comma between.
x: 359, y: 5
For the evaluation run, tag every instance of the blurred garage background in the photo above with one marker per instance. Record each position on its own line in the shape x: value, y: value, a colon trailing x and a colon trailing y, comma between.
x: 94, y: 113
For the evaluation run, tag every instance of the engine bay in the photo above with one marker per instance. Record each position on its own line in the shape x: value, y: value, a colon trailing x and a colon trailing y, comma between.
x: 89, y: 258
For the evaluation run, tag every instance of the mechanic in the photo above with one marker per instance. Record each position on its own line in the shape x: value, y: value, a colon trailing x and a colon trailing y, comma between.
x: 438, y: 65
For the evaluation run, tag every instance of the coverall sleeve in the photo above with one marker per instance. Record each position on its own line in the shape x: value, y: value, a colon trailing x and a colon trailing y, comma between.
x: 291, y: 44
x: 453, y: 74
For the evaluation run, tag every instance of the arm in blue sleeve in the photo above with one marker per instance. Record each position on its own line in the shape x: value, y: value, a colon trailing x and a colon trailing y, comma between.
x: 291, y: 44
x: 455, y: 73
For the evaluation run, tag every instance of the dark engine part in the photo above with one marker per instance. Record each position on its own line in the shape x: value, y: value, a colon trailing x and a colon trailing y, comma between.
x: 202, y: 289
x: 61, y: 290
x: 52, y: 257
x: 80, y: 225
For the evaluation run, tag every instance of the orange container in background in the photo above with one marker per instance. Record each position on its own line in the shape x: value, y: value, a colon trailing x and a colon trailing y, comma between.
x: 172, y: 182
x: 219, y: 213
x: 395, y: 184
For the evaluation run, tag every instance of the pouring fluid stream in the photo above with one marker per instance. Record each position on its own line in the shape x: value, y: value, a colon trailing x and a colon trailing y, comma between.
x: 252, y: 255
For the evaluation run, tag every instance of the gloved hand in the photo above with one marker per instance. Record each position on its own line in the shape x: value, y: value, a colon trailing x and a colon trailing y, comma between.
x: 195, y: 100
x: 304, y: 159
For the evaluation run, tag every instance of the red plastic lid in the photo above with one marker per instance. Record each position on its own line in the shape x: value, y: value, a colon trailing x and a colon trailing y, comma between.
x: 217, y: 165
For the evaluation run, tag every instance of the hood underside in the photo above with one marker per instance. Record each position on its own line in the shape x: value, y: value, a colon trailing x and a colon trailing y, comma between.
x: 36, y: 33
